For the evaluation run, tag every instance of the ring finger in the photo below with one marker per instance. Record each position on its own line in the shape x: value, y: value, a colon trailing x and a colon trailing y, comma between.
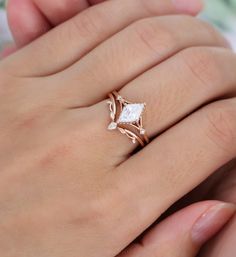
x: 198, y: 76
x: 194, y: 78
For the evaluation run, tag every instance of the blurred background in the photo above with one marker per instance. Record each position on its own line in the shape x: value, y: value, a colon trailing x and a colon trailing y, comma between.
x: 221, y: 13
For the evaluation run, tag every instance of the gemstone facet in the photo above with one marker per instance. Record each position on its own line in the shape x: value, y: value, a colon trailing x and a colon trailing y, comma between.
x: 112, y: 126
x: 131, y: 113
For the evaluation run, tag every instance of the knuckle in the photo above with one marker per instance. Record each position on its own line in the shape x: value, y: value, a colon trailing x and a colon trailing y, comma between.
x: 216, y: 37
x: 204, y: 64
x: 153, y: 35
x: 27, y: 120
x: 97, y: 208
x: 30, y: 114
x: 221, y: 120
x: 198, y: 24
x: 89, y: 22
x: 60, y: 6
x: 54, y: 153
x: 179, y: 19
x: 148, y: 6
x: 28, y: 117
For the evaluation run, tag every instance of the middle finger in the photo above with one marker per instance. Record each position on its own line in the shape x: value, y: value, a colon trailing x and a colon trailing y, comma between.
x: 129, y: 53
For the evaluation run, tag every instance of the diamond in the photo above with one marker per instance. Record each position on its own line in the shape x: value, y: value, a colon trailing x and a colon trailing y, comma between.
x: 112, y: 126
x: 131, y: 113
x: 142, y: 131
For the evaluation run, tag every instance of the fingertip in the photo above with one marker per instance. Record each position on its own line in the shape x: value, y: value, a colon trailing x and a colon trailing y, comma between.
x: 192, y: 7
x: 212, y: 221
x: 25, y: 21
x: 183, y: 232
x: 201, y: 221
x: 180, y: 222
x: 59, y: 11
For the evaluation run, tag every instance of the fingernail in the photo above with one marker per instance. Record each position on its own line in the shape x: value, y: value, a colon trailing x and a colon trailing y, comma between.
x: 212, y: 221
x: 190, y: 6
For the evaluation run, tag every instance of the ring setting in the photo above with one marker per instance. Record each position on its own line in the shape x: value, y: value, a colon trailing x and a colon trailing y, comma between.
x: 127, y: 118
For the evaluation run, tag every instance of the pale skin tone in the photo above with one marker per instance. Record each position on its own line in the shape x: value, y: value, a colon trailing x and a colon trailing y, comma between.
x: 223, y: 189
x: 100, y: 187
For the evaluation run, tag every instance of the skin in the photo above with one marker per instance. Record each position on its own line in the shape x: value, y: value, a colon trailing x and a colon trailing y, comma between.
x: 223, y: 189
x: 39, y: 16
x: 220, y: 186
x: 46, y: 133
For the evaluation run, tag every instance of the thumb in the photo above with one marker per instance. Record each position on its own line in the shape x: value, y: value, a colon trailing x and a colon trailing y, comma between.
x: 183, y: 233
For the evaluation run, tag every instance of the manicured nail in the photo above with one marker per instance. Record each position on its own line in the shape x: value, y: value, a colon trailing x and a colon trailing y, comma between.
x: 189, y: 6
x: 212, y: 221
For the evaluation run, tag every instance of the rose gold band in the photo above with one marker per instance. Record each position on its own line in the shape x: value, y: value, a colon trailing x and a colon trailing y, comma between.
x: 127, y: 118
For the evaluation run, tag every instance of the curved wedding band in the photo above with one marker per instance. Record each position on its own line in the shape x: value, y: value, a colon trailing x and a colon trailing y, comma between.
x: 127, y: 118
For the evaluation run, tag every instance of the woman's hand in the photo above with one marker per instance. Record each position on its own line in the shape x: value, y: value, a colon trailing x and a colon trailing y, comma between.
x: 223, y: 244
x: 183, y: 233
x: 224, y: 189
x: 36, y: 17
x: 67, y: 183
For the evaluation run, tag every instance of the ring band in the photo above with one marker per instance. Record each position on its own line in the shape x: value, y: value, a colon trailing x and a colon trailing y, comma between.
x: 127, y: 118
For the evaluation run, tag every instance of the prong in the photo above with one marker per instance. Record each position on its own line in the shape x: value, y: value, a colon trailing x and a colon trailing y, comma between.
x: 142, y: 131
x: 112, y: 126
x: 119, y: 98
x: 112, y: 115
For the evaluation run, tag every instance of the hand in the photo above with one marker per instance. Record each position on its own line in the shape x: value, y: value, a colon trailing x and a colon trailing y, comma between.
x: 36, y: 17
x: 219, y: 186
x: 53, y: 106
x: 223, y: 188
x: 44, y: 15
x: 183, y: 233
x: 24, y: 34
